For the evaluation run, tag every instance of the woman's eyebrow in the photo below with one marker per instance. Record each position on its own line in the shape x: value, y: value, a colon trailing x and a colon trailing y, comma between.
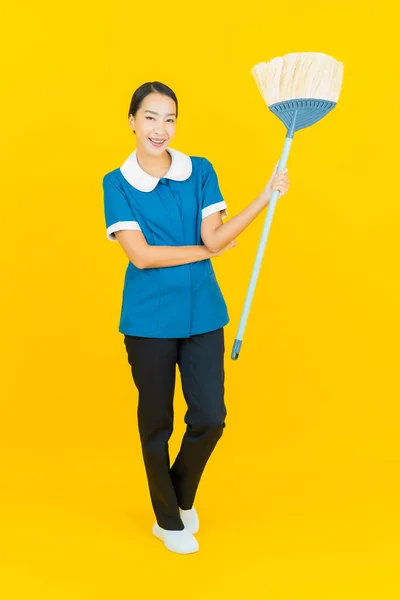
x: 156, y: 113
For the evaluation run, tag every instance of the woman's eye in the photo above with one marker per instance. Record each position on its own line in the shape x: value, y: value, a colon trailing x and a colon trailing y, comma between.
x: 172, y: 120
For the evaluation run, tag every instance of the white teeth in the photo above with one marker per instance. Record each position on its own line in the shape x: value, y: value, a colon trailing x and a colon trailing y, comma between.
x: 157, y: 142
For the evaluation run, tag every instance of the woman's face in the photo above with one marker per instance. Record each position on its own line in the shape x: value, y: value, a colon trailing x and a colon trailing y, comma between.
x: 155, y: 119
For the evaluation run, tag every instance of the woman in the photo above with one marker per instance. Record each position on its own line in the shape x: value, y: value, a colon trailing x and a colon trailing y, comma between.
x: 165, y: 208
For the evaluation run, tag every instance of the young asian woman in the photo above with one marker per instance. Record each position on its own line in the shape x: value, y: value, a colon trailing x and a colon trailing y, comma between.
x: 166, y: 210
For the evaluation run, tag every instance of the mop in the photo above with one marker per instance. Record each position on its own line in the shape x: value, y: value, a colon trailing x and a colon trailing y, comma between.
x: 300, y: 89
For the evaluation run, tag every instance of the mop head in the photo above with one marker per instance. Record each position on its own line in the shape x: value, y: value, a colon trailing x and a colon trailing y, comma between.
x: 307, y: 84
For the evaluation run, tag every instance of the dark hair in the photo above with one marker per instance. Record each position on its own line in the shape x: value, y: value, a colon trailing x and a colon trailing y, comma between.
x: 149, y: 88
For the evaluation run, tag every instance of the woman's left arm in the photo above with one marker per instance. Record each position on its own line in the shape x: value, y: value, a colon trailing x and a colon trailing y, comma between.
x: 216, y: 235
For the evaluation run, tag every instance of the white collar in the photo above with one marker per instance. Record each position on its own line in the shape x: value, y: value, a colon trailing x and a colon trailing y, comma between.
x: 180, y: 169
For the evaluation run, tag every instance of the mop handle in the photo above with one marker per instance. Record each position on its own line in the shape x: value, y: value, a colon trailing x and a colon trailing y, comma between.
x: 260, y: 253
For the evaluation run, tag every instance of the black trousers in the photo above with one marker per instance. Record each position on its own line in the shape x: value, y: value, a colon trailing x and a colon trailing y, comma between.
x: 153, y: 364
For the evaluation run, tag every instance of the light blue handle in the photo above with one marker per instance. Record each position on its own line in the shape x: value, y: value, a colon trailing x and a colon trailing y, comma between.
x: 260, y: 253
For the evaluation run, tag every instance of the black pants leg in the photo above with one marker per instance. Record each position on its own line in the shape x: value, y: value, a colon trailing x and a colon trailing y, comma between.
x: 153, y: 364
x: 201, y: 364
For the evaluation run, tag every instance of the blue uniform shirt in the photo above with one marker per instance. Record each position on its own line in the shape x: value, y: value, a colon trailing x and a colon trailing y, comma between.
x: 176, y: 301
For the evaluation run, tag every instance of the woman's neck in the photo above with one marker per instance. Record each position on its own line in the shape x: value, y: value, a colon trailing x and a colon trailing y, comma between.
x: 157, y: 166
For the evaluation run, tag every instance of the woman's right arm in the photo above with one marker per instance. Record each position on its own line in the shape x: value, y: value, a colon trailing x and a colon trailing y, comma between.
x: 144, y: 256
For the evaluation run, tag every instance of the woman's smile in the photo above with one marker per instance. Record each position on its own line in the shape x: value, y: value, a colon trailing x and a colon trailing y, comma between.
x: 156, y: 143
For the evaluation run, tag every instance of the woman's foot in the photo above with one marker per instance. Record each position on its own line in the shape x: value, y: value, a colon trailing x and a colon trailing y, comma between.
x: 190, y: 519
x: 181, y: 541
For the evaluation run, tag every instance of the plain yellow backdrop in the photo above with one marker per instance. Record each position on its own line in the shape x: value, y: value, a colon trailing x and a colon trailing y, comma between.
x: 300, y: 498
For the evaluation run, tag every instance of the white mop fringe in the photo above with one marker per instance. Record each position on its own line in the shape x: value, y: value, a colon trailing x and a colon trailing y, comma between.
x: 299, y: 75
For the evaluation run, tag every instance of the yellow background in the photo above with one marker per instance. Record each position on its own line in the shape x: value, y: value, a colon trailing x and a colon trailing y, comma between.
x: 301, y: 497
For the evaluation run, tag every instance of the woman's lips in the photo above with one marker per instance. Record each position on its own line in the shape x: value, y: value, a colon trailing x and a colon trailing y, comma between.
x: 157, y: 144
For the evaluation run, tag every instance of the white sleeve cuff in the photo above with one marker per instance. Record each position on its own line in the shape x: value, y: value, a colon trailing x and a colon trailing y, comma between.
x: 131, y: 225
x: 218, y: 206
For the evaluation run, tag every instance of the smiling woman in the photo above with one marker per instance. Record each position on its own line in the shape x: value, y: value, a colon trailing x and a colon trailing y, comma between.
x: 165, y: 208
x: 152, y: 117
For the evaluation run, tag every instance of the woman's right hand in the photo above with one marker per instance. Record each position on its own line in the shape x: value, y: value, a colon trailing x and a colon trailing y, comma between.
x: 232, y: 244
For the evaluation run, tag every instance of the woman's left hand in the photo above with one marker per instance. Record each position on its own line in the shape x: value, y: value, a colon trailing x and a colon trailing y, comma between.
x: 279, y: 181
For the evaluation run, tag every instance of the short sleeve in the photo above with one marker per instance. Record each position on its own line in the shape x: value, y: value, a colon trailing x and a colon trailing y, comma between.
x: 118, y: 213
x: 213, y: 200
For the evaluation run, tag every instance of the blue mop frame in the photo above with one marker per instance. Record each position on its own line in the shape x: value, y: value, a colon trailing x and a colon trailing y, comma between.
x: 295, y: 114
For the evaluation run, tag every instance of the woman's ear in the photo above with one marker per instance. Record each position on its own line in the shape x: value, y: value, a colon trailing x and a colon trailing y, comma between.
x: 132, y: 123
